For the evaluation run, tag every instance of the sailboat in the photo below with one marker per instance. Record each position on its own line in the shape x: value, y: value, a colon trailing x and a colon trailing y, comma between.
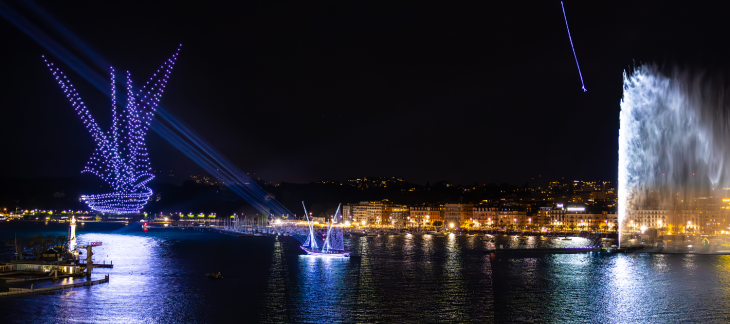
x: 334, y: 245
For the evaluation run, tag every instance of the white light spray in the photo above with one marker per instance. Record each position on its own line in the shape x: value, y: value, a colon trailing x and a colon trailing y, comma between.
x: 673, y: 141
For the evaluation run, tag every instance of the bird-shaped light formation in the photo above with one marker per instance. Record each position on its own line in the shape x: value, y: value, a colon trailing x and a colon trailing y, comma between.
x: 121, y: 157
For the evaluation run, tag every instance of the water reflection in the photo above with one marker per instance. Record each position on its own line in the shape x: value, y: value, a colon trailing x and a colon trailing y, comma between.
x: 321, y: 292
x: 138, y: 275
x: 159, y: 277
x: 276, y: 292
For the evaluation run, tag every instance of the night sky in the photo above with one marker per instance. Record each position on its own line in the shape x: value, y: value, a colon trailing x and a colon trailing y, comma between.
x: 480, y: 92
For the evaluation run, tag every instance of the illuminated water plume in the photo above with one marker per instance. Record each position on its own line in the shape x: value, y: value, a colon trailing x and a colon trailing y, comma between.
x: 674, y: 142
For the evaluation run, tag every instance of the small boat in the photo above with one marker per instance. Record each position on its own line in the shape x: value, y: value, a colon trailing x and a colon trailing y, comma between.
x: 566, y: 239
x: 214, y: 275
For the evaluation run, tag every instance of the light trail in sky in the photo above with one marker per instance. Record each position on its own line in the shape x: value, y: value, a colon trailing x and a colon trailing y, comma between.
x: 573, y: 47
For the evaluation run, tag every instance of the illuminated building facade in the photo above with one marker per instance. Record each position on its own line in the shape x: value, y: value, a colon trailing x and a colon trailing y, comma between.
x: 687, y: 214
x: 426, y: 215
x: 458, y: 214
x: 375, y: 213
x: 399, y: 215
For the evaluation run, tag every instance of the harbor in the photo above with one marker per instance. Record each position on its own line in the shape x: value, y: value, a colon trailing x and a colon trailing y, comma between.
x: 40, y: 290
x: 41, y: 259
x: 166, y: 268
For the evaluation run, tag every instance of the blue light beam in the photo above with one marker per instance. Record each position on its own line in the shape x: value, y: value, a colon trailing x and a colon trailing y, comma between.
x: 181, y: 139
x: 573, y: 47
x: 202, y: 153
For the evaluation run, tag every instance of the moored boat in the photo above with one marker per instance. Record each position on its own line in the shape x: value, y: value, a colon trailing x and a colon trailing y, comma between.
x: 214, y: 275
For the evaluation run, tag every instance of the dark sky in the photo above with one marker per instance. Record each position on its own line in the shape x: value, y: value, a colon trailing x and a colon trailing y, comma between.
x: 479, y: 92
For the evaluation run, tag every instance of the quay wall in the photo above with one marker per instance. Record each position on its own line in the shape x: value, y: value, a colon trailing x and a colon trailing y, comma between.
x: 21, y: 291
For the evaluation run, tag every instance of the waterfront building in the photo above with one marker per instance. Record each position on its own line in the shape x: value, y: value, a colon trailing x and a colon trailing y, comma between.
x: 356, y: 213
x: 700, y: 215
x: 378, y: 213
x: 584, y: 221
x: 574, y: 216
x: 427, y: 215
x: 458, y: 214
x: 656, y: 218
x: 398, y: 215
x: 511, y: 218
x: 560, y: 205
x: 374, y: 212
x: 347, y: 212
x: 485, y: 216
x: 556, y: 216
x: 611, y: 221
x: 541, y: 217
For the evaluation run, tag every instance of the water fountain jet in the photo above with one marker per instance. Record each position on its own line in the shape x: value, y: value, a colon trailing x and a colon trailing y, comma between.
x: 673, y: 145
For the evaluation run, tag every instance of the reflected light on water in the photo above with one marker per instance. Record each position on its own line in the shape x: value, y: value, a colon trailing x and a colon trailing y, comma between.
x: 159, y: 277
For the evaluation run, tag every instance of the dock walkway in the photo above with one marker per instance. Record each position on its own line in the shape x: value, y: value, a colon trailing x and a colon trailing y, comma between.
x: 99, y: 265
x: 572, y: 250
x: 22, y: 291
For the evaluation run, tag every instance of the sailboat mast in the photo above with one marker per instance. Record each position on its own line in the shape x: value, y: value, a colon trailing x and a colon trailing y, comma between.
x: 310, y: 242
x: 327, y: 244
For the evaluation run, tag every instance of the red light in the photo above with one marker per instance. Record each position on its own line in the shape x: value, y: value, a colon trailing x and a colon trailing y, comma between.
x: 145, y: 230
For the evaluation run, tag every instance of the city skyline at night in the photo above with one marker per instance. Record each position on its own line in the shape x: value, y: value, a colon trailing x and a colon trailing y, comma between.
x: 364, y: 162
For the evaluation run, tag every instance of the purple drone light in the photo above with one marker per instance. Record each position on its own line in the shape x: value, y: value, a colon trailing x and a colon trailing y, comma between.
x: 121, y: 157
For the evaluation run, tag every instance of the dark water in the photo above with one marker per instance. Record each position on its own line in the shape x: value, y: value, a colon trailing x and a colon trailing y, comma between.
x: 159, y: 278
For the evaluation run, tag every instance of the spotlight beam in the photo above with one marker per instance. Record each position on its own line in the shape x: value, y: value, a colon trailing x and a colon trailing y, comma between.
x: 189, y: 144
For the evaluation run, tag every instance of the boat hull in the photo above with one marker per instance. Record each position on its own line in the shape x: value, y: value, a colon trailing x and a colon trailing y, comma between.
x: 331, y: 254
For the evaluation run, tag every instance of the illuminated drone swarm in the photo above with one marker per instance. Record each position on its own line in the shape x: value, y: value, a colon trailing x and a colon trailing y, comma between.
x: 121, y: 157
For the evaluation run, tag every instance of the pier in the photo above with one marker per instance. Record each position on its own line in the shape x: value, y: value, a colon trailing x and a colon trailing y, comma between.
x: 22, y: 291
x: 98, y: 265
x: 540, y: 251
